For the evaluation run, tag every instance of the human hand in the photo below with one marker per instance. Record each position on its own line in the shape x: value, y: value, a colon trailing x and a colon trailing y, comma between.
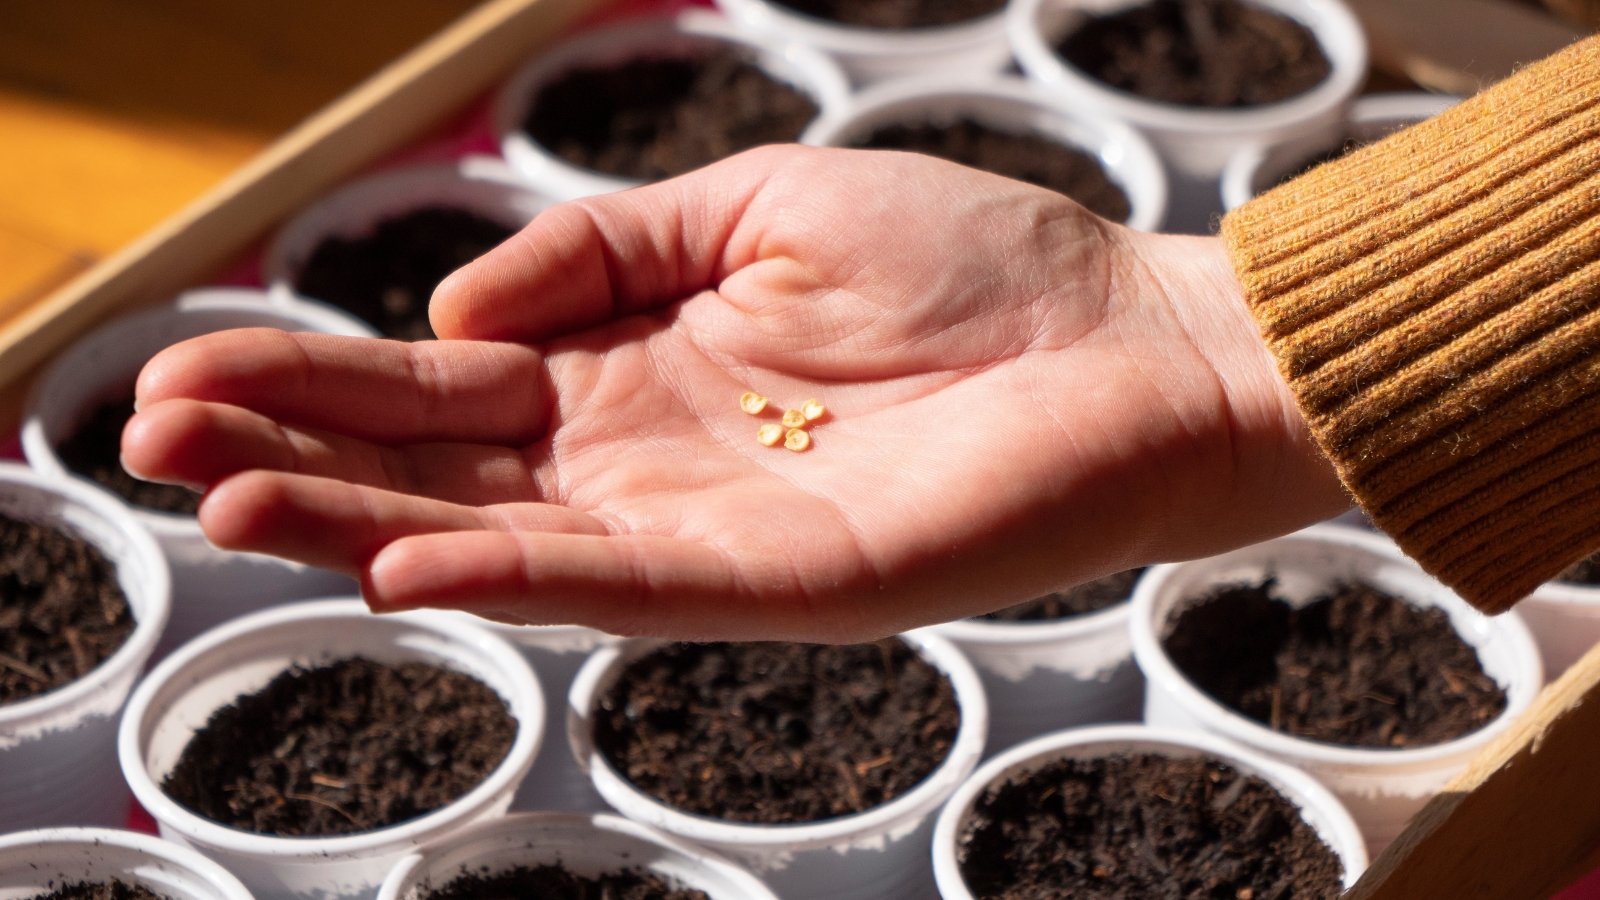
x: 1021, y: 396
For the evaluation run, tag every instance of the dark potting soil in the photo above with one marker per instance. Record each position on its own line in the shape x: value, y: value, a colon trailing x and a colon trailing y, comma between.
x: 62, y: 611
x: 1207, y: 53
x: 1356, y: 666
x: 549, y: 882
x: 1025, y: 157
x: 777, y: 732
x: 1091, y: 596
x: 1349, y: 146
x: 1584, y: 571
x: 94, y: 450
x: 1311, y: 162
x: 654, y: 118
x: 1142, y: 827
x: 895, y: 14
x: 343, y: 748
x: 101, y: 890
x: 387, y: 277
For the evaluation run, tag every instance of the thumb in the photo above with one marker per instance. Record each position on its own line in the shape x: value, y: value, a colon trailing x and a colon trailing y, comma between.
x: 582, y: 263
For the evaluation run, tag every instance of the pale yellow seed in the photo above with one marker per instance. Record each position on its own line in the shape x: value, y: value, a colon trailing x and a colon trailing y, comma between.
x: 794, y: 418
x: 812, y: 410
x: 796, y: 440
x: 752, y: 402
x: 770, y: 434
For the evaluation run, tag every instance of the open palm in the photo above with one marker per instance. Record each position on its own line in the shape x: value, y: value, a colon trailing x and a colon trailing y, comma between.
x: 1020, y: 396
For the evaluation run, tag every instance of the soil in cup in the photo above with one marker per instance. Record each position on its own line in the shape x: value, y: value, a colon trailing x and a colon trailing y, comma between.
x: 895, y: 15
x: 386, y: 277
x: 777, y: 732
x: 1204, y: 53
x: 1349, y: 146
x: 62, y: 610
x: 1584, y: 571
x: 1091, y: 596
x: 653, y: 118
x: 101, y: 890
x: 94, y: 451
x: 1033, y: 158
x: 558, y: 882
x: 1141, y: 825
x: 343, y: 748
x: 1356, y: 666
x: 1315, y: 160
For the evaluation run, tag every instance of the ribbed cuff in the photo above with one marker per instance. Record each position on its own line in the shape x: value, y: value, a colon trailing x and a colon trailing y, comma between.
x: 1434, y: 304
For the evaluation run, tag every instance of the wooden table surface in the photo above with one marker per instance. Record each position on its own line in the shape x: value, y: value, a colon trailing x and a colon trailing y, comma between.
x: 116, y: 113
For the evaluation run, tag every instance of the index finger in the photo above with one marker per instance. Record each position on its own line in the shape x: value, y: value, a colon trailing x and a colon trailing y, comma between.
x: 582, y: 263
x: 373, y: 389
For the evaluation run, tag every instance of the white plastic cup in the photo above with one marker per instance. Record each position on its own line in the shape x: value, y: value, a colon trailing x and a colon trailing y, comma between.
x: 588, y: 845
x: 807, y: 70
x: 555, y: 652
x: 1318, y: 807
x: 1195, y: 143
x: 33, y: 863
x: 879, y: 854
x: 1006, y: 104
x: 1564, y: 618
x: 483, y: 185
x: 1045, y: 676
x: 241, y: 657
x: 58, y: 750
x: 1254, y: 168
x: 1382, y: 788
x: 209, y: 585
x: 975, y: 47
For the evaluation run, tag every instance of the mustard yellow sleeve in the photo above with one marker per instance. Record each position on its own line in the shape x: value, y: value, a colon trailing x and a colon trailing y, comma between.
x: 1433, y: 302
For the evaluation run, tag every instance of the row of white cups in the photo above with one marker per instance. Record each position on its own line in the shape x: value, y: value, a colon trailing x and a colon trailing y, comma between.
x: 1033, y: 692
x: 1172, y: 161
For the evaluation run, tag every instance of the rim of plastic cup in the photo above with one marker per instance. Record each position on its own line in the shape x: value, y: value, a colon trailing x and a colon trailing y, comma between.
x: 838, y: 37
x: 321, y: 622
x: 1336, y: 28
x: 406, y: 874
x: 1566, y: 594
x: 997, y: 632
x: 148, y: 622
x: 1367, y: 113
x: 355, y: 206
x: 214, y: 876
x: 808, y: 70
x: 543, y: 637
x: 1314, y: 801
x: 1005, y: 101
x: 604, y: 666
x: 1520, y: 687
x: 40, y: 449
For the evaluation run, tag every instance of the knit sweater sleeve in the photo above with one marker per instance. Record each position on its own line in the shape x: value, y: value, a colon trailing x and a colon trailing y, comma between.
x: 1433, y: 302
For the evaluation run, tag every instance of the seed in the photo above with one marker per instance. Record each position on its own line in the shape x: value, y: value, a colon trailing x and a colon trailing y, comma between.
x: 752, y: 402
x: 812, y: 410
x: 796, y: 440
x: 794, y: 418
x: 769, y: 434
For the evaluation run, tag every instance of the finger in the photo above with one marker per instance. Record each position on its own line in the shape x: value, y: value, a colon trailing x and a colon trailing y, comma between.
x: 582, y: 263
x: 198, y: 444
x: 341, y: 526
x: 622, y: 584
x: 364, y: 387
